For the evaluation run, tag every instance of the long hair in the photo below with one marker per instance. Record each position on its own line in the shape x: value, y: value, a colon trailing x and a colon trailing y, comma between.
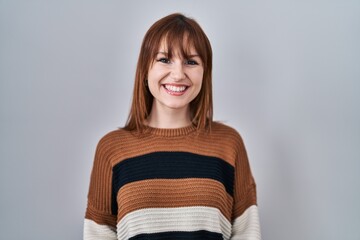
x: 172, y: 29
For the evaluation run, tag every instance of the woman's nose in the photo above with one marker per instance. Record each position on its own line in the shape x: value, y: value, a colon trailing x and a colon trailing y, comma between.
x: 177, y: 71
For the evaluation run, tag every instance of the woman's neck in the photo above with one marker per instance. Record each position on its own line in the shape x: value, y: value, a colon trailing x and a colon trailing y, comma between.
x: 164, y: 117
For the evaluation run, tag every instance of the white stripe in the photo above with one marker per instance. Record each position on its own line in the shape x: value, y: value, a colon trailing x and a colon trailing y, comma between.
x: 155, y: 220
x: 247, y: 226
x: 94, y: 231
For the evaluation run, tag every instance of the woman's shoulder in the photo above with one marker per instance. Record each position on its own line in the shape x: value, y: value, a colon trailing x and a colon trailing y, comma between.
x: 225, y: 132
x: 115, y: 136
x: 222, y: 128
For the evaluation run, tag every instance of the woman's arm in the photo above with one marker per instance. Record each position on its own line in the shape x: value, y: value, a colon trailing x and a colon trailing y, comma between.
x: 100, y: 222
x: 245, y: 220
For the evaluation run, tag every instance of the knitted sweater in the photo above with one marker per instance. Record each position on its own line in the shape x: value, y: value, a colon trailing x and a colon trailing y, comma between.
x: 172, y: 184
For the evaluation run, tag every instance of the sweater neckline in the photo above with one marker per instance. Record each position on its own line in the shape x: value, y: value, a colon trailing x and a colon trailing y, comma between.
x: 171, y: 132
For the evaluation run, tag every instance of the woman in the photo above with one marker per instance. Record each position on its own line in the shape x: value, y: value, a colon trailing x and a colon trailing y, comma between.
x: 172, y: 172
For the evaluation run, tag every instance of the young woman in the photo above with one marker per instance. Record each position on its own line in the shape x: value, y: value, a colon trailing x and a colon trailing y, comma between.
x: 172, y: 172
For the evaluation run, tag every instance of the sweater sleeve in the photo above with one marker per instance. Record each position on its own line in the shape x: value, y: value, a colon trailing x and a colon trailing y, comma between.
x: 245, y: 219
x: 99, y: 221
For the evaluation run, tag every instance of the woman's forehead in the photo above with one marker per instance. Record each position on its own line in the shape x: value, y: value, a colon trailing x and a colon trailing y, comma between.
x: 178, y: 48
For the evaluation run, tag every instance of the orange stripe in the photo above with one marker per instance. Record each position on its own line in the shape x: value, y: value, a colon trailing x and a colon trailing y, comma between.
x: 99, y: 217
x: 222, y: 143
x: 163, y: 193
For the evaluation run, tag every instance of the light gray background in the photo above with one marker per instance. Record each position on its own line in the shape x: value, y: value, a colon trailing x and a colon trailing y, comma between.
x: 286, y: 76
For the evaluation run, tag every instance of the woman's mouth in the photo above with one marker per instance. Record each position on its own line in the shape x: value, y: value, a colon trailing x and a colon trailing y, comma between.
x: 176, y: 90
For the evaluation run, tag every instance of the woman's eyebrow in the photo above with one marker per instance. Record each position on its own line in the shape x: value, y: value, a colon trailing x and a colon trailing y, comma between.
x: 193, y: 55
x: 188, y: 56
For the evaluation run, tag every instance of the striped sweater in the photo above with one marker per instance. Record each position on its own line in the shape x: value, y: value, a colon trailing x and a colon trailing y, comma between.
x: 172, y: 184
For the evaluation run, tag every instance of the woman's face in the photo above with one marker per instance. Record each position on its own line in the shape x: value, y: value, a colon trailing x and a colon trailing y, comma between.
x: 175, y: 82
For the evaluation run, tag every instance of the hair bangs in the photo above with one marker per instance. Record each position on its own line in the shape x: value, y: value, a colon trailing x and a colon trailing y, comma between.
x: 179, y: 38
x: 178, y: 43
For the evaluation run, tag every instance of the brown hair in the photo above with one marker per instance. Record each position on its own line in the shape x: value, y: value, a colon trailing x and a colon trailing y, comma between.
x: 181, y: 33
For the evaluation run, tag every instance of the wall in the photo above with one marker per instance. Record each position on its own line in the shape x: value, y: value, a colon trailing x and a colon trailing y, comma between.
x: 286, y: 75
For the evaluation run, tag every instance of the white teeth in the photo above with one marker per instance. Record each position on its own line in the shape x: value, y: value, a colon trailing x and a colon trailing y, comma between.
x: 175, y: 88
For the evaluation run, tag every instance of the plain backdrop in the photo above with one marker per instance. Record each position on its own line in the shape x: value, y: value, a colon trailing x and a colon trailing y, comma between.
x: 286, y: 76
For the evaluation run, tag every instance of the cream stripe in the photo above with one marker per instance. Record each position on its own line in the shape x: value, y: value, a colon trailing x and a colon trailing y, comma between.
x: 94, y: 231
x: 154, y: 220
x: 247, y: 226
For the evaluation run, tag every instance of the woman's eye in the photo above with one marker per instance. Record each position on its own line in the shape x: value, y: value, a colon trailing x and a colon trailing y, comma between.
x: 191, y: 62
x: 164, y: 60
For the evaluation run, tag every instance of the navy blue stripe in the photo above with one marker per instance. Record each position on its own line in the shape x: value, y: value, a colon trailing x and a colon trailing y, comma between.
x: 170, y: 165
x: 201, y: 235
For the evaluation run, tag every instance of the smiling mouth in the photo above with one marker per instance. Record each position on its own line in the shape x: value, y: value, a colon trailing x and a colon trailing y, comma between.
x: 175, y: 89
